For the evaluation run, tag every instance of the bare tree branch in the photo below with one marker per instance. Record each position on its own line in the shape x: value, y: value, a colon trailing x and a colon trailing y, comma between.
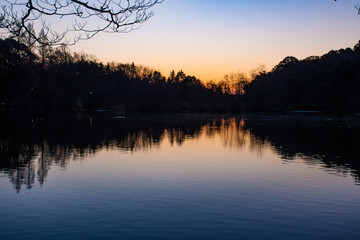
x: 357, y: 7
x: 72, y: 20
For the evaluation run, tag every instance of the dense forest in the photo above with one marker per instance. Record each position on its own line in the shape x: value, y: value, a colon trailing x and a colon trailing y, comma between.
x: 329, y: 83
x: 58, y: 80
x: 44, y: 78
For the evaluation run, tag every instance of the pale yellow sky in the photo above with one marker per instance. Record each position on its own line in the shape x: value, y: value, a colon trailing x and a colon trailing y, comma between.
x: 209, y: 39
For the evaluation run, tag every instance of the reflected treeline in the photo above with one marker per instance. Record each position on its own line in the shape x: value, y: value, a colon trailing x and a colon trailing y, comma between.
x: 331, y: 143
x: 30, y: 146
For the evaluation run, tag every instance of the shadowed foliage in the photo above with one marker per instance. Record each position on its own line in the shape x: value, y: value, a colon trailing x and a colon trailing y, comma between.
x: 54, y: 79
x: 328, y: 83
x: 58, y: 80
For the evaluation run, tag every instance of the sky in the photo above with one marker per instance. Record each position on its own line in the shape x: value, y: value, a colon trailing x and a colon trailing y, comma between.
x: 208, y: 38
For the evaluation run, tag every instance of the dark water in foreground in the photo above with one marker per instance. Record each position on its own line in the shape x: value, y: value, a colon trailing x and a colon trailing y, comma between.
x: 179, y: 177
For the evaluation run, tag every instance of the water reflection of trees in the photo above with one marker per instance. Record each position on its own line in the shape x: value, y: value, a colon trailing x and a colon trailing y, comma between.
x: 334, y: 146
x: 30, y: 147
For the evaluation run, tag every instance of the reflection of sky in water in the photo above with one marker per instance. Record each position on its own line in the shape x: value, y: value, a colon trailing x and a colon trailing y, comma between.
x: 221, y: 183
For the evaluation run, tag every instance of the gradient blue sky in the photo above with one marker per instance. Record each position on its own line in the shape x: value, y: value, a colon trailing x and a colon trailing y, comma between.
x: 209, y: 38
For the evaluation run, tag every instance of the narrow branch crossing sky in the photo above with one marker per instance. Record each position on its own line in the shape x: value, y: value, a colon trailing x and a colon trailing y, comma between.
x: 209, y: 38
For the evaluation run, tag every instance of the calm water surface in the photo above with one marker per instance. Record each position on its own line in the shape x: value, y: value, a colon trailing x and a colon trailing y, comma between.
x: 179, y: 177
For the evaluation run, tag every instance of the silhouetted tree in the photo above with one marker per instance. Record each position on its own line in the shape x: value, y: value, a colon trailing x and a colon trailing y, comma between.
x: 234, y: 83
x: 357, y: 47
x: 58, y: 80
x: 357, y: 7
x: 180, y: 76
x: 328, y: 83
x: 14, y: 54
x: 171, y: 78
x: 44, y: 46
x: 254, y: 73
x: 20, y: 17
x: 286, y: 62
x: 17, y: 65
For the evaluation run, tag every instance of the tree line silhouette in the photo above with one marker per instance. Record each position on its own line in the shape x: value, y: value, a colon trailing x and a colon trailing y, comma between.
x: 44, y: 78
x: 54, y: 79
x: 328, y: 83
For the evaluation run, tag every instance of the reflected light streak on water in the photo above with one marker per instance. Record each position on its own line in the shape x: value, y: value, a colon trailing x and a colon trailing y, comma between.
x: 221, y: 178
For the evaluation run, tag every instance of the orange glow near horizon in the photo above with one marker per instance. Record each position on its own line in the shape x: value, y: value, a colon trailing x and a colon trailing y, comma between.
x: 208, y: 40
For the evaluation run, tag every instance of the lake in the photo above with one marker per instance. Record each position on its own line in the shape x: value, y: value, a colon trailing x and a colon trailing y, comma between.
x: 179, y: 176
